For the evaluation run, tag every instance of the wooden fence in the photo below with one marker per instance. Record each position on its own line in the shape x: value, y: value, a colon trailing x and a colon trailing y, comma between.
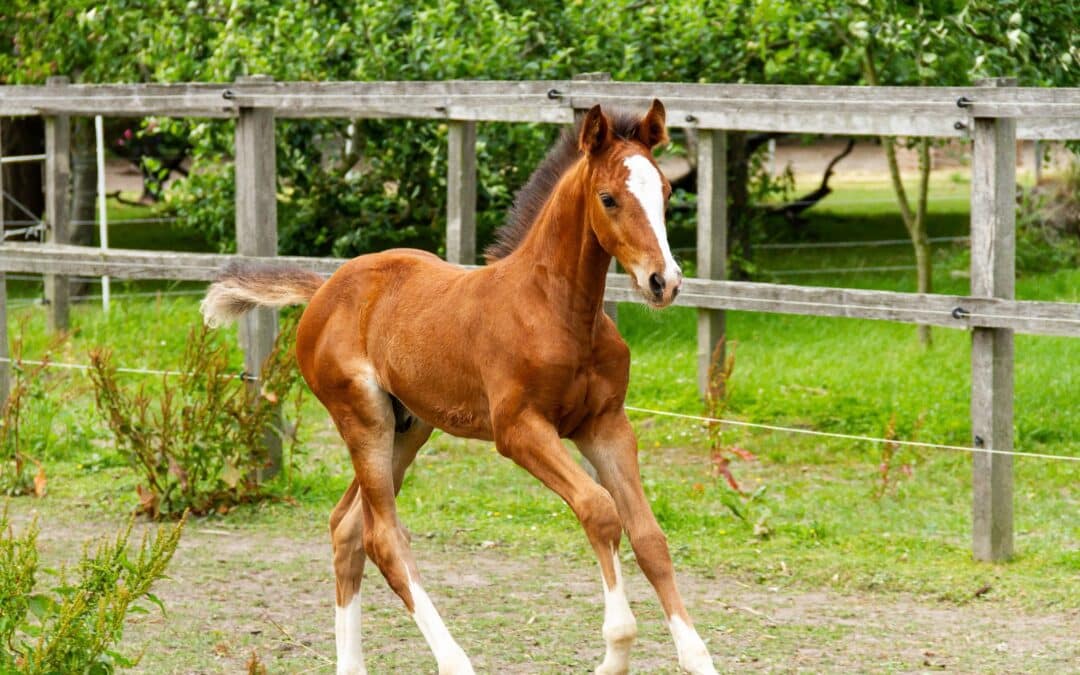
x: 993, y: 116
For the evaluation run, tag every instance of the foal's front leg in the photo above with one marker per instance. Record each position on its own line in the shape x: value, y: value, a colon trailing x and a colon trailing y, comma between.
x: 609, y: 443
x: 534, y: 444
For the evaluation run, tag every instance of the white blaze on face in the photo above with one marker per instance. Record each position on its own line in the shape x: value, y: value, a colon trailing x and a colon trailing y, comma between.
x: 645, y: 184
x: 350, y: 656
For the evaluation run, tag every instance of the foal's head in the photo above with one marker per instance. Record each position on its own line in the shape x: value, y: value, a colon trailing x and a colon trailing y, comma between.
x: 627, y: 196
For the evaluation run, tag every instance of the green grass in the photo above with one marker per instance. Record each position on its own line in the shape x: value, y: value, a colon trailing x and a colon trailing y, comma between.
x: 820, y: 503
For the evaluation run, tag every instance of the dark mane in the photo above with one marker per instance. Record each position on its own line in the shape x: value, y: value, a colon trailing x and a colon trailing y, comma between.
x: 532, y: 196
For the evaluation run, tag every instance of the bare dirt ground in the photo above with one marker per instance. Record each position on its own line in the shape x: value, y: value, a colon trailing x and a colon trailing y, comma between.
x: 235, y: 590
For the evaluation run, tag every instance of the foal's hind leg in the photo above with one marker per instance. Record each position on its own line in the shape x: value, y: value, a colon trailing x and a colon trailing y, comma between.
x: 346, y: 535
x: 365, y: 418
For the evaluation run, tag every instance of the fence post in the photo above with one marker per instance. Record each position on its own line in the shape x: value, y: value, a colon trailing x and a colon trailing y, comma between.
x: 57, y: 188
x: 711, y: 241
x: 610, y: 308
x: 461, y: 194
x: 993, y: 274
x: 256, y: 235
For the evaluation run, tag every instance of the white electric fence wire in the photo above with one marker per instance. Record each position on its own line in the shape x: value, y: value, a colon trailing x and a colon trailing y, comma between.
x: 133, y: 371
x: 847, y: 437
x: 841, y: 244
x: 647, y: 411
x: 839, y: 270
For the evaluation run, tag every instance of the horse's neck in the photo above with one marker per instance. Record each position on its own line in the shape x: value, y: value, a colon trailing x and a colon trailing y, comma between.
x: 561, y: 254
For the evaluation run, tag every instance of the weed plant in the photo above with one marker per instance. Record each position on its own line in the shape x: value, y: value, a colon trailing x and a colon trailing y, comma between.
x: 74, y: 626
x: 198, y: 442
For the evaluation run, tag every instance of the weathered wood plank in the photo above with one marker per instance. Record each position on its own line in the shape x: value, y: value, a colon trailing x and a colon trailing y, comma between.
x: 993, y: 274
x: 57, y: 195
x: 1044, y: 112
x: 256, y: 235
x: 461, y: 193
x: 712, y: 226
x: 1036, y: 318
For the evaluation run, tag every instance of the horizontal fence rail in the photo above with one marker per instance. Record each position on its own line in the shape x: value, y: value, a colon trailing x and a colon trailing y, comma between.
x: 951, y: 311
x: 902, y: 111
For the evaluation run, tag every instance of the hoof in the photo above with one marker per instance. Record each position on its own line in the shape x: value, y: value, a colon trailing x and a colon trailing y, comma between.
x: 458, y: 664
x: 698, y: 663
x: 619, y: 638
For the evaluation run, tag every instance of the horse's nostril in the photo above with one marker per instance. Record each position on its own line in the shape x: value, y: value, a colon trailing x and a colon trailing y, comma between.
x: 656, y: 284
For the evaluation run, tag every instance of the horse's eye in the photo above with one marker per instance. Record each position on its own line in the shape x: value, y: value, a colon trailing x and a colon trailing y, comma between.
x: 607, y: 200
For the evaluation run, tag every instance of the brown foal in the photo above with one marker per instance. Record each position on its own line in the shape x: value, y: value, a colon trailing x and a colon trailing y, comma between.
x: 397, y: 343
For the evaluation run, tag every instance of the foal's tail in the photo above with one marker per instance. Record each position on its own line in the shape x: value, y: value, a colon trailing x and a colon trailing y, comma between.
x: 241, y: 288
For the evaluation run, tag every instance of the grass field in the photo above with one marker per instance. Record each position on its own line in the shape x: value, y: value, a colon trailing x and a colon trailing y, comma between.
x: 824, y: 569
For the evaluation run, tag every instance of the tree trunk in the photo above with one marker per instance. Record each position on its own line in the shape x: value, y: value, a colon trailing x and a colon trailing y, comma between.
x: 915, y: 222
x: 924, y: 272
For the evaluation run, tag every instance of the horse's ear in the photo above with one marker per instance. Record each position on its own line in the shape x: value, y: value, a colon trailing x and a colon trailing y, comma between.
x: 595, y: 132
x: 652, y: 130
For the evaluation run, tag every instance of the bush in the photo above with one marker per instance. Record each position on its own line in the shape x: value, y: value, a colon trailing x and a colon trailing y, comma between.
x: 200, y: 443
x: 73, y: 627
x: 1047, y: 227
x: 26, y: 420
x: 1048, y: 224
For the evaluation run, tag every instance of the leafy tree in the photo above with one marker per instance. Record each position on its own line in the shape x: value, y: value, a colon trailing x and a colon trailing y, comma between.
x: 939, y: 42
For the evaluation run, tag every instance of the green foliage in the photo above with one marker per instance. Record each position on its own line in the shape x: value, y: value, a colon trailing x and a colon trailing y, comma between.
x: 198, y: 444
x: 74, y: 626
x: 1043, y: 242
x: 26, y: 421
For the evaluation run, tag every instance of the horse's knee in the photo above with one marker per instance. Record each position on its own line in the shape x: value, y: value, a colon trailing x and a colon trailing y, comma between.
x: 600, y: 518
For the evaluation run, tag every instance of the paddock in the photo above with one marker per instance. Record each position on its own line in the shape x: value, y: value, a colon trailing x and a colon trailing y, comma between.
x: 992, y: 116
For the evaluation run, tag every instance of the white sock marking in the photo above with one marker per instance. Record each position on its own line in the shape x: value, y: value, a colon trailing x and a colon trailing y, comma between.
x: 645, y: 184
x: 693, y: 656
x: 350, y: 654
x: 620, y: 628
x: 449, y: 655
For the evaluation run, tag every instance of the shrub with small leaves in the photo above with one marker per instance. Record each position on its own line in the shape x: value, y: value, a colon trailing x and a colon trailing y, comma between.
x: 199, y: 443
x: 75, y: 626
x: 25, y: 421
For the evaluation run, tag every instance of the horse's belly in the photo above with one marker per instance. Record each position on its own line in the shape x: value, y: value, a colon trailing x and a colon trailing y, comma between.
x: 446, y: 403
